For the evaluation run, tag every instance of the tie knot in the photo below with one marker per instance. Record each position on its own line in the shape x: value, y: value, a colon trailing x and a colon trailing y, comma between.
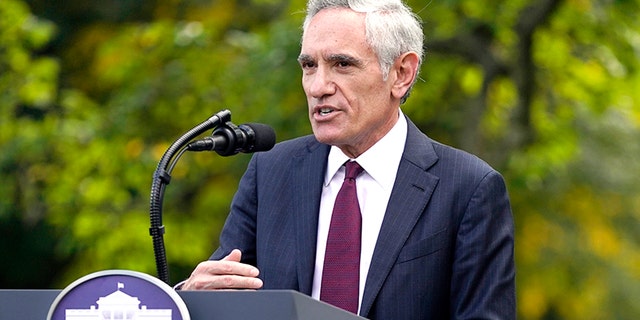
x: 353, y: 170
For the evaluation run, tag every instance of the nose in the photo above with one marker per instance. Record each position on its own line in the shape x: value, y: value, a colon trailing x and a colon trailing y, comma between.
x: 319, y: 83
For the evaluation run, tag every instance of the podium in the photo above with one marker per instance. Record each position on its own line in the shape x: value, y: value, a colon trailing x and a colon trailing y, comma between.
x: 202, y: 305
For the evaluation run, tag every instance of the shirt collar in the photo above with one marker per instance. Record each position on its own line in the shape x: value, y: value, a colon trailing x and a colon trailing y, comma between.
x: 379, y: 159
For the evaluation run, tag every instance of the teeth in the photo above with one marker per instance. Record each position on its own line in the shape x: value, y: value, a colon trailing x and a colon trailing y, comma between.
x: 325, y: 111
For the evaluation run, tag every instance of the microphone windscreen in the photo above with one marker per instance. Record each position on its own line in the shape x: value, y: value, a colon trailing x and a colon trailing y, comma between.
x: 264, y: 135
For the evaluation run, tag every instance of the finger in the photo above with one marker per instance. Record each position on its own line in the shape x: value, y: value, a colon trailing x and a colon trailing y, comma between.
x: 234, y: 255
x: 232, y: 268
x: 234, y: 282
x: 216, y: 282
x: 228, y: 265
x: 227, y: 273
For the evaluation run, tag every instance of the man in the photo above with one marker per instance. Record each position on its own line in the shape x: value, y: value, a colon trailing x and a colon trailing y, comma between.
x: 436, y: 224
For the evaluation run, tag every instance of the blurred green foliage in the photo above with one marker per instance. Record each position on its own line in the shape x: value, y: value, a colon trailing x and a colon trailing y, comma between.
x: 91, y: 95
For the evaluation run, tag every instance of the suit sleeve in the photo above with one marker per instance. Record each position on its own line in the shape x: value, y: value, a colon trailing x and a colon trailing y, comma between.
x: 483, y: 281
x: 239, y: 231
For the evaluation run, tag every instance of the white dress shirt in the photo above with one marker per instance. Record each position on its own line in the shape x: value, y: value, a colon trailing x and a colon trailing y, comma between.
x: 374, y: 187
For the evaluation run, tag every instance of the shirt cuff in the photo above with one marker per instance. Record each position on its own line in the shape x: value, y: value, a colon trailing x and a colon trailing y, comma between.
x: 179, y: 285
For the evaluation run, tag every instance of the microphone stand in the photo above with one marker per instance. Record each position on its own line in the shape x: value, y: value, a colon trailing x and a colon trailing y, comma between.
x: 162, y: 177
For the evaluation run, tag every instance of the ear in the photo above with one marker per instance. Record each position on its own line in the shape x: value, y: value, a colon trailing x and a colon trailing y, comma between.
x: 406, y: 71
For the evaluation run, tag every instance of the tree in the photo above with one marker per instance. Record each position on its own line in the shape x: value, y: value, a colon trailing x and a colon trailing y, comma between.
x: 543, y: 90
x: 28, y: 91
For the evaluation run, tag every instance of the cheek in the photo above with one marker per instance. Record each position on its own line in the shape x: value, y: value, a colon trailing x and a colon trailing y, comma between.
x: 305, y: 84
x: 361, y: 88
x: 372, y: 95
x: 371, y: 84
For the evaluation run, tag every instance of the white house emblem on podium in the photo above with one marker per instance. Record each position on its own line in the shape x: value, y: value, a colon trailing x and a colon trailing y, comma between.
x: 118, y: 295
x: 118, y: 305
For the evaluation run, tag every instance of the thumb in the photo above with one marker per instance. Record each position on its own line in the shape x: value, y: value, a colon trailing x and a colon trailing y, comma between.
x: 235, y: 255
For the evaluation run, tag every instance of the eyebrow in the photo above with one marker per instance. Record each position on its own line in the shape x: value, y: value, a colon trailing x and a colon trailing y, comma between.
x: 345, y: 58
x: 304, y: 58
x: 333, y: 58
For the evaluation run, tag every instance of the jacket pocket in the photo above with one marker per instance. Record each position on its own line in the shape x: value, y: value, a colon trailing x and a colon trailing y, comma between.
x: 424, y: 247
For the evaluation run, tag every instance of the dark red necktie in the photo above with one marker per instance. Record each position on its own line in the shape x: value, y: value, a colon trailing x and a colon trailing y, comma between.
x: 341, y: 272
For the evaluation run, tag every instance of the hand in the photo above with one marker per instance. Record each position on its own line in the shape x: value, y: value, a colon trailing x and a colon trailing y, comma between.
x: 227, y: 273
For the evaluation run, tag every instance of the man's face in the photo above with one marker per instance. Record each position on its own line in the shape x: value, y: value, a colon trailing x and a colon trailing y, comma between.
x: 350, y: 105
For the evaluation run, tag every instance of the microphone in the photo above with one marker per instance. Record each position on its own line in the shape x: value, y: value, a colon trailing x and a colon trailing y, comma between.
x: 230, y: 139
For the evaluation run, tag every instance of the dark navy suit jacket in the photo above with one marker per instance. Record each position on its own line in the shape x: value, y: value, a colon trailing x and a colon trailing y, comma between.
x: 445, y: 248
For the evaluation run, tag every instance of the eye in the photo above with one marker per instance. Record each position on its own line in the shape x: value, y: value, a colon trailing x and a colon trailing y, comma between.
x: 343, y: 61
x: 307, y: 64
x: 343, y: 64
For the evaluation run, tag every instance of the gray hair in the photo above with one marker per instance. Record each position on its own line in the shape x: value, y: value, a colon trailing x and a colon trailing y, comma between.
x: 391, y: 28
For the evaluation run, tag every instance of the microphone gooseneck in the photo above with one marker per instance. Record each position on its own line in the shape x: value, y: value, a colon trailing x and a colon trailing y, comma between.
x: 227, y: 139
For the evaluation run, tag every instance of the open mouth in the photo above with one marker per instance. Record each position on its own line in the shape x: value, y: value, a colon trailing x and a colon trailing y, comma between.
x: 325, y: 111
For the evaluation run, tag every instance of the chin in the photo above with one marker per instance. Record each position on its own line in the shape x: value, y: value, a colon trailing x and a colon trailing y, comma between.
x: 328, y: 134
x: 324, y: 138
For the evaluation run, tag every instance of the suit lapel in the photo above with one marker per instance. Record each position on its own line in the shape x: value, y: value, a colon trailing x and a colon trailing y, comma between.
x: 308, y: 170
x: 411, y: 193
